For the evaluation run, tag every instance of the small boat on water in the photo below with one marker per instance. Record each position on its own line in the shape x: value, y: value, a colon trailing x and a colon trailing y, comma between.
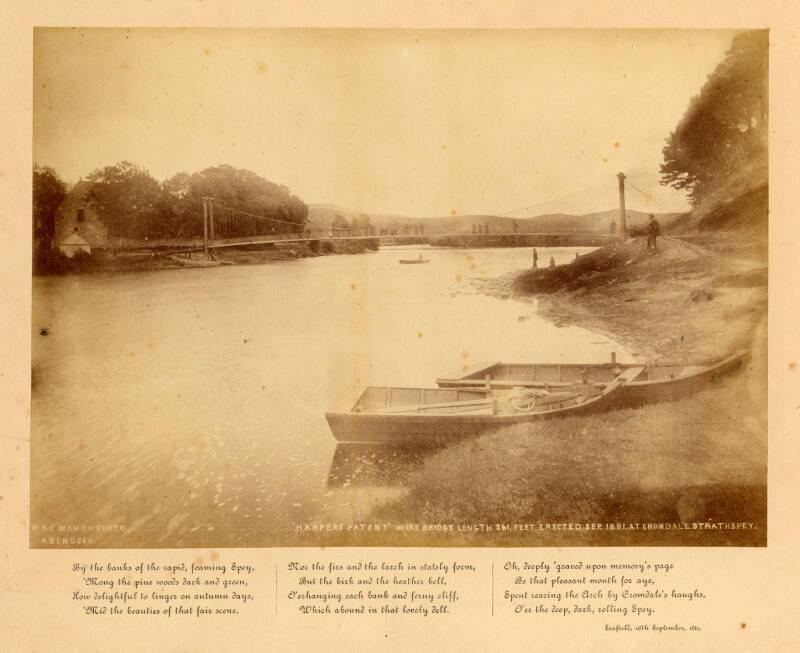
x: 428, y: 416
x: 654, y: 383
x: 410, y: 261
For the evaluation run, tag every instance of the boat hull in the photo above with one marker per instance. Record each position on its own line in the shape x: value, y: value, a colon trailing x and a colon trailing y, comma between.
x: 437, y: 429
x: 639, y: 393
x: 633, y: 393
x: 430, y: 430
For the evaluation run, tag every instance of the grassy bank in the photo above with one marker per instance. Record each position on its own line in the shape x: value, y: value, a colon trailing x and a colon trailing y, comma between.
x: 694, y: 464
x: 691, y: 467
x: 704, y: 293
x: 684, y: 302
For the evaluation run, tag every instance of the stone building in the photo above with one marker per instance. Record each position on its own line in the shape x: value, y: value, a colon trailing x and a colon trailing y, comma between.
x: 78, y: 217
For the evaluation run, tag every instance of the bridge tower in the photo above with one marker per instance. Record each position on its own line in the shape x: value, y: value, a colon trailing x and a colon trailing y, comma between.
x: 208, y: 223
x: 623, y: 222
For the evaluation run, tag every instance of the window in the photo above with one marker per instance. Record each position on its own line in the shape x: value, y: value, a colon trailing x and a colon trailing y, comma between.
x: 81, y: 215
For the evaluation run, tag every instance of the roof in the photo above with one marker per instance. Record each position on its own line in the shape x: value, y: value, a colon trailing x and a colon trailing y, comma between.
x: 82, y: 188
x: 74, y: 239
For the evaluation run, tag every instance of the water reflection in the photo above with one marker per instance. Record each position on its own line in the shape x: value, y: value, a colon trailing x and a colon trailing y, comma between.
x: 374, y: 465
x: 228, y: 435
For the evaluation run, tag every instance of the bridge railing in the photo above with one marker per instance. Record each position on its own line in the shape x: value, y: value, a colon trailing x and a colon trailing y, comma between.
x: 563, y: 239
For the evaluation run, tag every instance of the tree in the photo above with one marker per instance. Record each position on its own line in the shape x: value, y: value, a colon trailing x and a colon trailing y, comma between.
x: 724, y: 130
x: 134, y: 205
x: 128, y: 200
x: 235, y: 188
x: 339, y: 224
x: 178, y: 186
x: 362, y: 224
x: 243, y: 189
x: 119, y: 173
x: 180, y: 212
x: 48, y: 192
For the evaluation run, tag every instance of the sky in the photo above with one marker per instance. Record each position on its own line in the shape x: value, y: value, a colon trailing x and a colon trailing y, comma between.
x: 412, y: 122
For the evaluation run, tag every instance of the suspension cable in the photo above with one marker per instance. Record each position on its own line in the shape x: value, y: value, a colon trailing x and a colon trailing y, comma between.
x: 648, y: 196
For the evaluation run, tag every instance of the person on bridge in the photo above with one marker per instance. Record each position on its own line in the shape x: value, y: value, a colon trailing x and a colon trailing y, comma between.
x: 653, y: 232
x: 535, y: 258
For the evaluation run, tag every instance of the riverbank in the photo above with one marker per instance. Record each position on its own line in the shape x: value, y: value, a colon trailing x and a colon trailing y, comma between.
x: 685, y: 302
x: 674, y: 474
x: 81, y: 263
x: 667, y: 474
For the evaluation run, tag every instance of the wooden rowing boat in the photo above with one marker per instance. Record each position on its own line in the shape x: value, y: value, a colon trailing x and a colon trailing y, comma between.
x: 657, y: 382
x: 410, y: 261
x: 428, y: 416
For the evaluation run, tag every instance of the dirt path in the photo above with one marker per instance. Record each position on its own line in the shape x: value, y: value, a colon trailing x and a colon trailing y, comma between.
x: 724, y: 259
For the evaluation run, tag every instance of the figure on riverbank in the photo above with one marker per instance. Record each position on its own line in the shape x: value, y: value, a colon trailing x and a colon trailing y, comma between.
x: 535, y: 258
x: 653, y: 232
x: 613, y: 227
x: 552, y: 262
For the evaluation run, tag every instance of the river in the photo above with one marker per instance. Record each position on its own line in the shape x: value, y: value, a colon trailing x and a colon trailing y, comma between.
x: 186, y: 407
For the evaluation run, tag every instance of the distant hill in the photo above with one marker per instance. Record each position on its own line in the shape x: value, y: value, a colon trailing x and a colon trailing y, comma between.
x: 591, y: 222
x: 321, y: 215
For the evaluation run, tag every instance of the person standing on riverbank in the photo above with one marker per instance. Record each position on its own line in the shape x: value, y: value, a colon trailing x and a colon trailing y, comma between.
x: 653, y: 232
x: 613, y: 227
x: 535, y: 259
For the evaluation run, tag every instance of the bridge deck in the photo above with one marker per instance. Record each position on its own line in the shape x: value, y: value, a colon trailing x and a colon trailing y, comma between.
x: 383, y: 238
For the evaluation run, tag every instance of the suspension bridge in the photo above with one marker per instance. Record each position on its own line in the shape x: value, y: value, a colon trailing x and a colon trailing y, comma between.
x: 227, y: 227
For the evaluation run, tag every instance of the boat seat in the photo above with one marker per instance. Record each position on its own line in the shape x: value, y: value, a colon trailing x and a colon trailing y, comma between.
x: 450, y: 407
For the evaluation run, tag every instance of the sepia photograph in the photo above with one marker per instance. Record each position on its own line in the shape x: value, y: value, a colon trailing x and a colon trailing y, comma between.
x: 399, y: 288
